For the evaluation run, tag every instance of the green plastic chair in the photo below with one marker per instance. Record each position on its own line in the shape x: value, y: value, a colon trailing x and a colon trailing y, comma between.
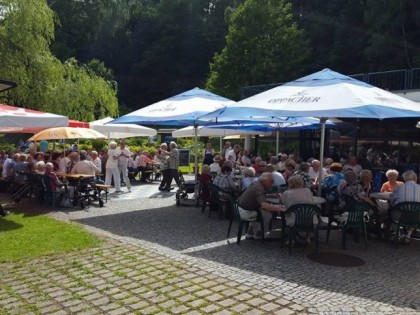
x: 304, y: 213
x: 219, y: 204
x: 243, y: 223
x: 410, y: 217
x: 355, y: 220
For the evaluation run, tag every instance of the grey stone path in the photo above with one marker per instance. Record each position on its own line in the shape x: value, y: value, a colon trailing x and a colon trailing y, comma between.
x: 154, y: 247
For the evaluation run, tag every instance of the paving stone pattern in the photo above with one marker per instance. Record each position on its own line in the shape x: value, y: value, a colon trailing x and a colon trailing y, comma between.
x: 163, y: 259
x: 121, y: 278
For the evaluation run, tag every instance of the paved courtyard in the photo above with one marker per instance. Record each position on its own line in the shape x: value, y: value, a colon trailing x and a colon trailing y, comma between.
x: 163, y: 259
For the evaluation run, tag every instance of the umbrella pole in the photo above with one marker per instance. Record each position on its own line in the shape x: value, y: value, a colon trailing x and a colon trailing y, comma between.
x: 321, y: 152
x: 196, y: 151
x: 277, y: 141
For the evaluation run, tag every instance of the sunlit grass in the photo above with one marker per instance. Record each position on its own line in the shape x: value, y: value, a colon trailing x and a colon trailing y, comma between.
x: 29, y: 236
x: 189, y: 169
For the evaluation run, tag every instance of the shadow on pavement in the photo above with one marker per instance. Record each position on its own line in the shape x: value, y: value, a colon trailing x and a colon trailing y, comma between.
x: 390, y: 275
x: 177, y: 228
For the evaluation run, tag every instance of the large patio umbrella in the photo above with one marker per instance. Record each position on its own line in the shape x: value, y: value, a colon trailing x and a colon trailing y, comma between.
x: 258, y: 128
x: 217, y: 131
x: 59, y: 133
x: 323, y: 94
x: 181, y: 110
x: 120, y: 131
x: 20, y: 120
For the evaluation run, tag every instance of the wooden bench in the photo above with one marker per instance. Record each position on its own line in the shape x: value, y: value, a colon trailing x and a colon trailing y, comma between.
x: 151, y: 173
x: 103, y: 187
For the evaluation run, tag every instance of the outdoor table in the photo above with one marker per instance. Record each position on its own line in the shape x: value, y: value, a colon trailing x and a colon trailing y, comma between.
x: 274, y: 201
x: 318, y: 200
x: 380, y: 195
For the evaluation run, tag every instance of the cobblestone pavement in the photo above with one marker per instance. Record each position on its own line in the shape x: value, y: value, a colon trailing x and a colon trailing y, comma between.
x: 167, y: 260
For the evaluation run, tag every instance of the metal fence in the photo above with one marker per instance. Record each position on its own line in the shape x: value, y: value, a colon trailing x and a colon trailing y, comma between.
x: 395, y: 80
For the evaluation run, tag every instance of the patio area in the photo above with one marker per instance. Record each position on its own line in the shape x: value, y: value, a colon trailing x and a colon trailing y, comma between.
x: 388, y: 282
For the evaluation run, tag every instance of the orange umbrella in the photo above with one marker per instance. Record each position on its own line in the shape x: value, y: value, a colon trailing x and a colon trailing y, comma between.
x: 59, y: 133
x: 78, y: 124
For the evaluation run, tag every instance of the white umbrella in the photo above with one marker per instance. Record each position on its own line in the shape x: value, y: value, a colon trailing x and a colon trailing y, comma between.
x: 120, y: 131
x: 21, y: 120
x: 180, y: 111
x: 323, y: 94
x: 203, y: 131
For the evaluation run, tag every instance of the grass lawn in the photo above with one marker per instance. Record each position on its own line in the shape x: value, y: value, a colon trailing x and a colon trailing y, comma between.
x: 25, y: 235
x: 189, y: 169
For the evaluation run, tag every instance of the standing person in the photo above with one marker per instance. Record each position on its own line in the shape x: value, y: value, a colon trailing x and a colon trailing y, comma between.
x: 208, y: 154
x: 173, y: 161
x: 123, y: 156
x: 232, y: 154
x: 353, y: 165
x: 226, y: 150
x: 164, y: 166
x: 111, y: 168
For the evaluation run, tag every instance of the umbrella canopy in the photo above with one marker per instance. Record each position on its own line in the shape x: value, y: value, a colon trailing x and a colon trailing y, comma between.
x: 120, y: 131
x: 251, y: 129
x: 323, y: 94
x: 220, y: 131
x: 78, y: 124
x: 21, y: 120
x: 6, y: 85
x: 179, y: 110
x: 67, y: 133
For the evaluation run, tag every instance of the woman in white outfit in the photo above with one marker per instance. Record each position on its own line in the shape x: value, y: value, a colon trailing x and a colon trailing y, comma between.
x: 111, y: 168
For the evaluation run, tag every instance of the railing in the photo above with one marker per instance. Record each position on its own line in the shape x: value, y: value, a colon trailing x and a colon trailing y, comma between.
x: 395, y: 80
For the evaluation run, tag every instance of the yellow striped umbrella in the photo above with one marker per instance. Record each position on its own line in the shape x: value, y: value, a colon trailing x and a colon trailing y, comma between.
x: 59, y: 133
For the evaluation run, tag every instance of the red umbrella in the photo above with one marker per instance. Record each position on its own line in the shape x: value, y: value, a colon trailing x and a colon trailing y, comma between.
x: 21, y: 120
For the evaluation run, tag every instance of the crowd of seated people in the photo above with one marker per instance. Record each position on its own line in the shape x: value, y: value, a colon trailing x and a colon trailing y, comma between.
x: 340, y: 180
x: 104, y: 166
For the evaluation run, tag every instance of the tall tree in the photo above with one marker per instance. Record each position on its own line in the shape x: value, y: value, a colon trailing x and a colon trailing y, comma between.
x: 393, y: 34
x: 263, y: 46
x: 26, y: 30
x: 44, y: 83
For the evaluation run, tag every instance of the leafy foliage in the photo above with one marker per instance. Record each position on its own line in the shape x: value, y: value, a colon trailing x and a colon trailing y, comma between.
x: 44, y: 83
x: 262, y: 37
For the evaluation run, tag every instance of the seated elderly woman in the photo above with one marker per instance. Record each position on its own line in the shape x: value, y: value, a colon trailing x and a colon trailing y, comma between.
x: 392, y: 182
x: 249, y: 177
x: 57, y: 185
x: 331, y: 181
x: 225, y: 181
x: 295, y: 194
x: 366, y: 181
x: 290, y: 166
x: 205, y: 181
x: 350, y: 190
